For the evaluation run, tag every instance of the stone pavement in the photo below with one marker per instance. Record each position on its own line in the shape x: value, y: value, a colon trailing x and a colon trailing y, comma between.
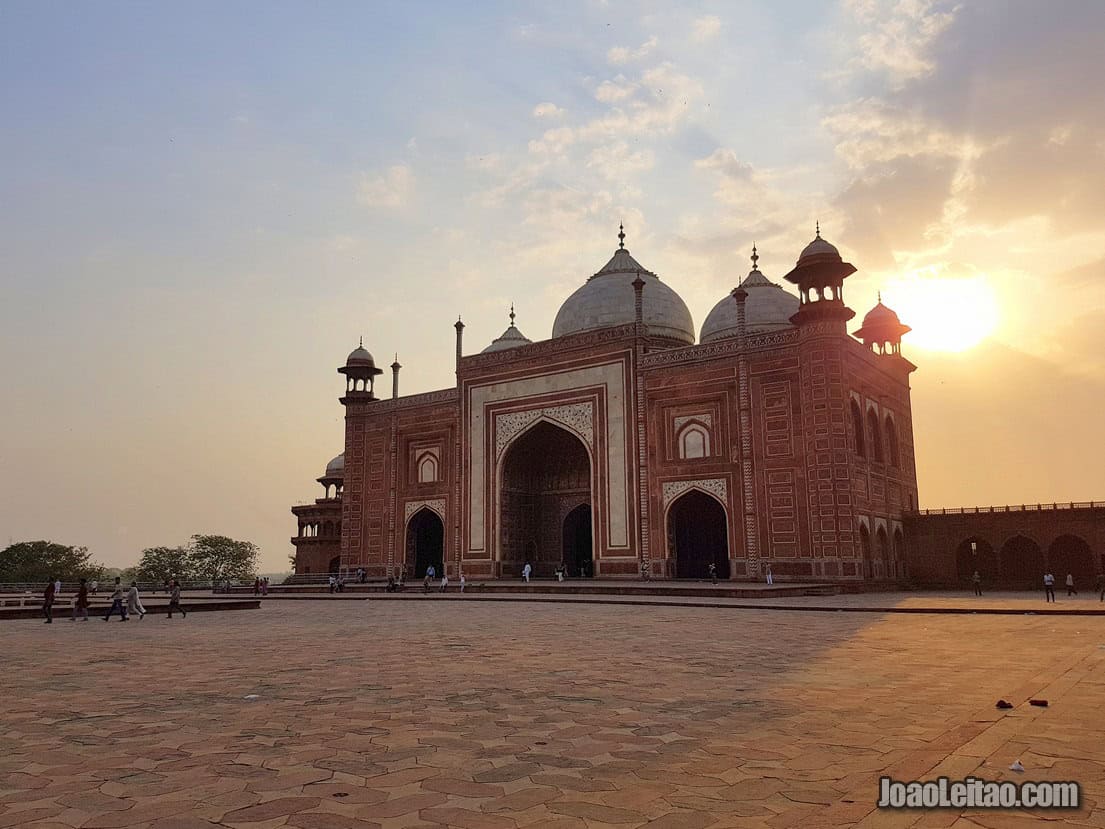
x: 549, y: 716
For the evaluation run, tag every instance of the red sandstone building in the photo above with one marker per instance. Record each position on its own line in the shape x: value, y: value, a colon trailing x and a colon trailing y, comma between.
x: 624, y: 443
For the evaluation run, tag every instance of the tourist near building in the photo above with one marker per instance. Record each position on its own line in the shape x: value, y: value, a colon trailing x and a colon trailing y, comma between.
x: 629, y: 443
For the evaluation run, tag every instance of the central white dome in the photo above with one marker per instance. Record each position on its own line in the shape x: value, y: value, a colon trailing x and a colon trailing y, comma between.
x: 607, y: 299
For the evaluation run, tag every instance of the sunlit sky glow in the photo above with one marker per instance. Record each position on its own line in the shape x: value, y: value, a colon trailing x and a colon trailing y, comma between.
x: 204, y: 205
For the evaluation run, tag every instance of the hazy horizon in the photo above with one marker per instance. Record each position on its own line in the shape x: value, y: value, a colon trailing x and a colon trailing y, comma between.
x: 205, y: 206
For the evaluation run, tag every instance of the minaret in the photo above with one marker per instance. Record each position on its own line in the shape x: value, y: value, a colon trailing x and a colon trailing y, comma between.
x: 395, y: 378
x: 460, y: 338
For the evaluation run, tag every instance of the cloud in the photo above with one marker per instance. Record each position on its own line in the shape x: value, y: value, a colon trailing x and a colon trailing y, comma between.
x: 895, y: 37
x: 620, y: 54
x: 391, y: 189
x: 617, y: 162
x: 613, y: 91
x: 547, y: 110
x: 706, y: 27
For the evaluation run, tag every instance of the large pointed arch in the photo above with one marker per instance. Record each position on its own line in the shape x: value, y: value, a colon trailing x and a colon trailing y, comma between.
x: 697, y: 524
x: 545, y: 469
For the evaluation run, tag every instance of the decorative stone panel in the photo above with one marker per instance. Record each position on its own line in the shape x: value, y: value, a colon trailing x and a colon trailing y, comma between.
x: 715, y: 486
x: 578, y: 418
x: 435, y: 504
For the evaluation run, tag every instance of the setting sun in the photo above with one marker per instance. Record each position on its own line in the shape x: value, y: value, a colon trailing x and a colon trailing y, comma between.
x: 946, y: 313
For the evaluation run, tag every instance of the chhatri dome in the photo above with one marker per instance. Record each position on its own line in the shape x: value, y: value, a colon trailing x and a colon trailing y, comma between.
x: 359, y: 356
x: 768, y: 308
x: 336, y: 467
x: 511, y: 338
x: 608, y: 299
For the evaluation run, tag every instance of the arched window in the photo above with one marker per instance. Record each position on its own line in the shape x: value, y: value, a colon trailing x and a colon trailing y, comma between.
x: 427, y: 468
x: 874, y: 434
x: 694, y: 442
x: 857, y: 428
x: 891, y: 441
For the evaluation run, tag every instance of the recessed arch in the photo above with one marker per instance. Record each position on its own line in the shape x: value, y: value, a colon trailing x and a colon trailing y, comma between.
x: 545, y: 471
x: 891, y: 430
x: 693, y: 440
x: 882, y: 545
x: 867, y: 558
x: 874, y: 435
x: 981, y: 557
x: 698, y: 534
x: 858, y: 429
x: 577, y: 542
x: 1022, y: 562
x: 428, y: 468
x: 425, y: 542
x: 1070, y: 554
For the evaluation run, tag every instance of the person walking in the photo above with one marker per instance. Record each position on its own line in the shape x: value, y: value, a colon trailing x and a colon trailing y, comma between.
x: 265, y: 586
x: 134, y: 603
x: 462, y: 582
x: 770, y: 578
x: 174, y: 599
x: 117, y: 601
x: 1070, y: 585
x: 1049, y: 587
x: 712, y: 570
x: 48, y: 601
x: 81, y: 604
x: 526, y: 572
x: 976, y: 580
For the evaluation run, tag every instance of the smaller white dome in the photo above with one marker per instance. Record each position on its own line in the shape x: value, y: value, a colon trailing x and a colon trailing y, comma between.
x: 768, y: 307
x: 336, y: 467
x: 511, y: 338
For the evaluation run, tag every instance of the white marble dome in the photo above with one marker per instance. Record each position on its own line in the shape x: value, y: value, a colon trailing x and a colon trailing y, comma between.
x: 607, y: 299
x: 336, y: 467
x: 768, y: 307
x: 511, y: 338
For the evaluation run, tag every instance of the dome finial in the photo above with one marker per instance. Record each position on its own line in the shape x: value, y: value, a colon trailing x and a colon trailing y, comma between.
x: 512, y: 315
x: 755, y: 258
x: 818, y: 226
x: 880, y: 297
x: 360, y: 342
x: 621, y: 236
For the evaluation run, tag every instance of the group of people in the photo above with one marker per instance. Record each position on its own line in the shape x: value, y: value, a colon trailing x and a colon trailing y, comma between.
x: 261, y: 586
x: 431, y: 575
x: 1049, y: 585
x: 124, y: 600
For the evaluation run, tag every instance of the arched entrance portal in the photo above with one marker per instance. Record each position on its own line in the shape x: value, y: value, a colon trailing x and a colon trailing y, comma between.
x: 1071, y: 554
x: 698, y: 535
x: 578, y: 560
x: 545, y: 472
x: 335, y: 565
x: 425, y: 543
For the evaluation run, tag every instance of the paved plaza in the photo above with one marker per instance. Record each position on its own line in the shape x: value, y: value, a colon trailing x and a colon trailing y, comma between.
x: 315, y: 714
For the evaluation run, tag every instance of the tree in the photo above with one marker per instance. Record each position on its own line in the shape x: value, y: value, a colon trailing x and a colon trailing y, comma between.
x: 159, y: 564
x: 218, y: 558
x: 34, y: 561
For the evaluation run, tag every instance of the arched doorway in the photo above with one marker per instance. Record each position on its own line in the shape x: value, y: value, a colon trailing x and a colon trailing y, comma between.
x: 865, y: 552
x: 425, y: 543
x: 981, y: 557
x: 697, y: 536
x: 335, y: 565
x: 545, y: 471
x: 577, y: 540
x: 1022, y: 562
x: 899, y: 553
x: 883, y: 543
x: 1071, y: 554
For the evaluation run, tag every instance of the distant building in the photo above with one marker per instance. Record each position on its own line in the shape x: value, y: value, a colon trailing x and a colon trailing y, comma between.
x: 624, y: 442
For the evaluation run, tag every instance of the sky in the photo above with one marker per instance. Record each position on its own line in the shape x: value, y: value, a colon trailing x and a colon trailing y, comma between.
x: 203, y: 206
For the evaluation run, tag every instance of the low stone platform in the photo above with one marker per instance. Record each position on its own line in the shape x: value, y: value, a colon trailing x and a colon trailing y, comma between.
x: 31, y: 608
x: 581, y: 587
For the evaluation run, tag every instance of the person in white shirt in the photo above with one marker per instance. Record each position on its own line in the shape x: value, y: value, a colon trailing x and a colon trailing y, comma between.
x: 1049, y: 587
x: 57, y: 587
x: 526, y: 571
x: 134, y: 603
x: 1070, y: 585
x: 462, y: 582
x: 444, y: 581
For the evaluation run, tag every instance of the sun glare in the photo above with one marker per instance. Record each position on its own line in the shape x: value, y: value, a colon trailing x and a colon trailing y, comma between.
x: 946, y: 314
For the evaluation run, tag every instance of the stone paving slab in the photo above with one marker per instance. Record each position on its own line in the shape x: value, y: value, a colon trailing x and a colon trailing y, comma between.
x: 389, y: 714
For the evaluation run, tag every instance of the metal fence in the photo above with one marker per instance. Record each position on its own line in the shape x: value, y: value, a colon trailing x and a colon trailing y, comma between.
x: 1067, y: 505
